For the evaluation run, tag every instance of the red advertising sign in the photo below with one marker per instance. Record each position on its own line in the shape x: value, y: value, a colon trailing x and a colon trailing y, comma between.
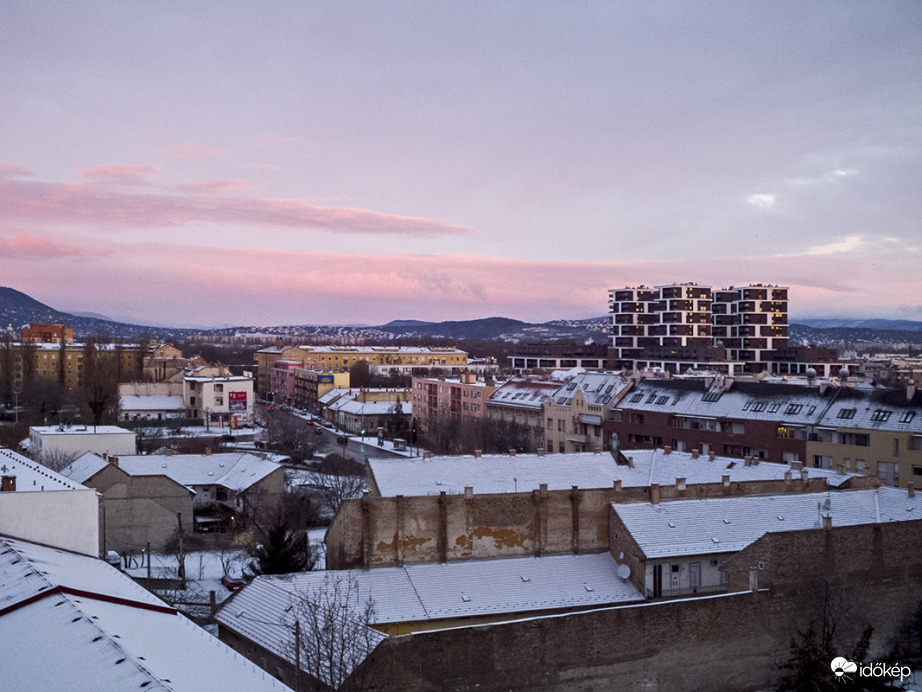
x: 237, y: 401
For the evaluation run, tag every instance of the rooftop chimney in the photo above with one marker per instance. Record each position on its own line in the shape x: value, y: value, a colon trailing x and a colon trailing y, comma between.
x: 630, y: 462
x: 797, y: 465
x: 427, y: 455
x: 597, y: 450
x: 911, y: 487
x: 696, y: 453
x: 478, y: 453
x: 113, y: 460
x: 8, y: 484
x: 711, y: 455
x: 207, y: 451
x: 512, y: 451
x: 654, y: 493
x: 667, y: 450
x: 616, y: 485
x: 169, y: 452
x: 827, y: 521
x: 748, y: 461
x: 540, y: 451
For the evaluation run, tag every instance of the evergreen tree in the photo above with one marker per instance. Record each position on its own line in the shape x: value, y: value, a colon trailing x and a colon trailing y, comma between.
x: 282, y: 551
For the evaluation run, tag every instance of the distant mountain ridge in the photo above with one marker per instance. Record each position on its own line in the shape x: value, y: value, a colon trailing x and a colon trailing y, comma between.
x: 18, y: 309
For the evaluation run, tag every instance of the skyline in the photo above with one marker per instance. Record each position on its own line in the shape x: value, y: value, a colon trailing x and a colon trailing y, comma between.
x: 359, y: 163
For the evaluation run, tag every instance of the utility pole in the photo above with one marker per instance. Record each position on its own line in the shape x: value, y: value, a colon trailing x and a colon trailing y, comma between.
x: 298, y: 655
x: 182, y: 555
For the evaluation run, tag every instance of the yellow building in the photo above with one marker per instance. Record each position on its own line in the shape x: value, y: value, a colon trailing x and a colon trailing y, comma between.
x: 339, y: 358
x: 43, y: 361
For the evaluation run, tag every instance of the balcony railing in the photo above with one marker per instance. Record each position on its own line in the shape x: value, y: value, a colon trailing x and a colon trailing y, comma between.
x: 686, y: 591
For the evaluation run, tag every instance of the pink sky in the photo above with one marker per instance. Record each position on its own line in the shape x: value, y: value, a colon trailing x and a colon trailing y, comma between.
x: 441, y: 162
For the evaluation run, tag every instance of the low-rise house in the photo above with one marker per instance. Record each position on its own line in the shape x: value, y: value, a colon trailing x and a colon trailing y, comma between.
x: 391, y: 601
x: 677, y: 548
x: 228, y: 491
x: 149, y: 408
x: 72, y: 622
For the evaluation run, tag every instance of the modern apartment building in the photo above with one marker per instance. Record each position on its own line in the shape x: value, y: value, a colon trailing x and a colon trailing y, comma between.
x: 682, y: 326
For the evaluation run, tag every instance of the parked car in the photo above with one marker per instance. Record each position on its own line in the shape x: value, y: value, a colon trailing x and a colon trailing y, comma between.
x: 231, y: 583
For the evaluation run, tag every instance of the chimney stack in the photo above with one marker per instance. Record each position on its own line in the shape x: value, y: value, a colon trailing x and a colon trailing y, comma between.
x: 207, y: 451
x: 796, y: 465
x: 630, y: 462
x: 696, y: 453
x: 654, y: 493
x: 113, y: 460
x: 911, y: 487
x: 747, y: 461
x: 169, y: 452
x: 427, y: 455
x: 711, y: 455
x: 478, y: 453
x: 667, y: 450
x: 827, y: 521
x: 540, y: 451
x: 616, y: 485
x: 512, y: 451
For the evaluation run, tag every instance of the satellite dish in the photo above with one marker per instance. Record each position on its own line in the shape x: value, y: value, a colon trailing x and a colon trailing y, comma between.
x: 624, y: 571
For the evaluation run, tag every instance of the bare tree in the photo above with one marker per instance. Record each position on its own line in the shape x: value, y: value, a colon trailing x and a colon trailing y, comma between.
x: 334, y: 633
x: 337, y: 479
x: 57, y: 459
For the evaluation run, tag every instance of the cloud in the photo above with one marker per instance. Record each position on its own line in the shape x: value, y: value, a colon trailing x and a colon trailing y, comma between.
x: 196, y: 152
x: 107, y: 204
x: 214, y: 187
x: 848, y: 244
x: 14, y: 170
x: 117, y: 172
x: 270, y: 139
x: 31, y: 246
x: 761, y: 200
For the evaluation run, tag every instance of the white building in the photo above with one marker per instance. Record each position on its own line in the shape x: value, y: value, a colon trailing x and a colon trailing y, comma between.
x: 227, y: 399
x: 67, y: 441
x: 37, y: 504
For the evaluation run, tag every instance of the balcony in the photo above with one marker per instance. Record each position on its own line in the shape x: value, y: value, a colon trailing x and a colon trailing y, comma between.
x: 686, y: 591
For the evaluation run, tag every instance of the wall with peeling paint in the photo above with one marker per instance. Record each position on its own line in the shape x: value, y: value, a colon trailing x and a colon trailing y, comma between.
x: 389, y: 531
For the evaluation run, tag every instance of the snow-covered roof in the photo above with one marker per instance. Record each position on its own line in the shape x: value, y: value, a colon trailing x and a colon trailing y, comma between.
x: 699, y: 527
x: 151, y: 403
x: 523, y: 392
x: 438, y: 591
x: 369, y: 408
x: 235, y: 471
x: 80, y: 430
x: 598, y: 388
x: 500, y: 473
x: 32, y: 476
x: 84, y: 467
x: 73, y: 622
x: 218, y: 378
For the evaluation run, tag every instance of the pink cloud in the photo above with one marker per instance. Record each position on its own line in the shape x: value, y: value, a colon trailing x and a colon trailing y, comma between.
x: 260, y: 286
x: 214, y: 187
x: 118, y: 171
x: 14, y: 170
x: 196, y: 152
x: 102, y: 204
x: 32, y: 246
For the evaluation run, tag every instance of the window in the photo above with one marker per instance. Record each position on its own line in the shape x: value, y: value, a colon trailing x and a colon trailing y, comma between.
x: 793, y: 409
x: 773, y: 408
x: 662, y: 400
x: 651, y: 398
x: 219, y: 387
x: 550, y: 423
x: 847, y: 413
x: 889, y: 472
x: 636, y: 398
x: 880, y: 416
x: 219, y: 401
x: 907, y: 417
x: 760, y: 406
